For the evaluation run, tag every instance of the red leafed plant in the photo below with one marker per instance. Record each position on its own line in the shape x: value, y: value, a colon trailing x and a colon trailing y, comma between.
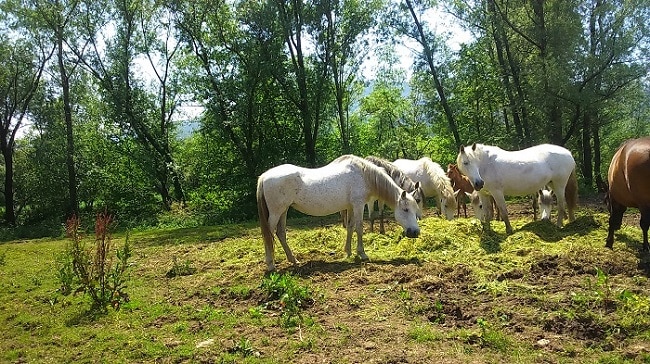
x: 98, y: 270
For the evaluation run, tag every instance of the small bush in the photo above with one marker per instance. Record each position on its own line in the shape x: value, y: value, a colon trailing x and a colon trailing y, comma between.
x: 99, y: 270
x: 285, y: 293
x: 180, y: 269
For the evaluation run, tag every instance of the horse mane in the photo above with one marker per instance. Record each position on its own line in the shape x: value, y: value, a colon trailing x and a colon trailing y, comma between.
x: 402, y: 180
x: 382, y: 185
x: 439, y: 177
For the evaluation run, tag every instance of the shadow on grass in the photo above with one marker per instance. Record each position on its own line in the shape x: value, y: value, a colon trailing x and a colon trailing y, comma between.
x: 635, y: 245
x: 321, y: 266
x: 491, y: 240
x: 549, y: 232
x: 203, y: 234
x: 85, y: 317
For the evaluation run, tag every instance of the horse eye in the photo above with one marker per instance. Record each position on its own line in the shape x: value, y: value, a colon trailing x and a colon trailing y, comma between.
x: 480, y: 206
x: 417, y: 200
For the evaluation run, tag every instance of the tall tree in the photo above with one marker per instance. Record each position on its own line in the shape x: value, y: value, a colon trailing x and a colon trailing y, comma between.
x: 416, y: 30
x: 21, y: 70
x: 130, y: 104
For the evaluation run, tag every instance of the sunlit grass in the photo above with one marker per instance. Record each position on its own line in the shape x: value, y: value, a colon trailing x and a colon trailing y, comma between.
x: 212, y: 308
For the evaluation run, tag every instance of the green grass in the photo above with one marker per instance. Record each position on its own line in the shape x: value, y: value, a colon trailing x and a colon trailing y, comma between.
x: 459, y: 293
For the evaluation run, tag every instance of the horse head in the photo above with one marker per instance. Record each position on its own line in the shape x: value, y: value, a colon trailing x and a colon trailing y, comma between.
x: 406, y: 214
x: 468, y: 160
x: 545, y: 199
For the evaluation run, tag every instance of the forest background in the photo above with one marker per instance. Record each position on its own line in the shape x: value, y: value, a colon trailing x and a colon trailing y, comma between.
x: 94, y: 94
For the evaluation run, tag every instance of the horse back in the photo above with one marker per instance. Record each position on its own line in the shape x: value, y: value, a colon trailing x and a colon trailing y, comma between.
x: 629, y: 173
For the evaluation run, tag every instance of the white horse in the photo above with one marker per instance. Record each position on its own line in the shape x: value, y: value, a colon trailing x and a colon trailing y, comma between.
x: 434, y: 182
x: 347, y: 183
x: 545, y: 201
x: 519, y: 173
x: 483, y: 205
x: 402, y: 180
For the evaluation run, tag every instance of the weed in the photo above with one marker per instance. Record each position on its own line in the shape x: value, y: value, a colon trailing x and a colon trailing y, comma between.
x: 244, y: 348
x: 492, y: 338
x: 423, y: 333
x: 285, y: 293
x: 239, y: 292
x: 3, y: 258
x: 94, y: 270
x: 180, y: 269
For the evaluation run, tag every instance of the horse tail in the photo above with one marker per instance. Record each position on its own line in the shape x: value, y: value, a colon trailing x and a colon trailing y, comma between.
x: 263, y: 212
x: 571, y: 194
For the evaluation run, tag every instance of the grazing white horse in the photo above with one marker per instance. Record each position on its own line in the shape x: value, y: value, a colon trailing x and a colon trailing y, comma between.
x: 483, y: 205
x: 402, y: 180
x: 519, y: 173
x: 434, y: 182
x: 545, y: 200
x: 347, y: 183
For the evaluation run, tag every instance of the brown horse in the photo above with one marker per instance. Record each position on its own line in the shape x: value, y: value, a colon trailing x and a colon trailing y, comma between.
x: 629, y: 186
x: 460, y: 183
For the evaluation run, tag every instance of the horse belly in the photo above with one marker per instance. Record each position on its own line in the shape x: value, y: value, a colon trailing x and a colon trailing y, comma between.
x: 518, y: 185
x: 329, y: 195
x: 633, y: 191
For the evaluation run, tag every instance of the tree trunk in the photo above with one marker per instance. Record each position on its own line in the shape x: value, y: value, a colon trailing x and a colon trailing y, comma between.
x: 7, y: 153
x: 73, y: 203
x: 428, y: 55
x: 586, y: 149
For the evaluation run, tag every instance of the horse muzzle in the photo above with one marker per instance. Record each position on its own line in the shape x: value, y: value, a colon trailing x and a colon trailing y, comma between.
x: 478, y: 184
x: 412, y: 233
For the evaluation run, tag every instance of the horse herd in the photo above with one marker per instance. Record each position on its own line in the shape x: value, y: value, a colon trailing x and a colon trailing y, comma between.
x: 485, y: 174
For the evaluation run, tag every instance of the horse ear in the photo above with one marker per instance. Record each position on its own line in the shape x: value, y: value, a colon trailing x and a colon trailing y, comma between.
x: 540, y: 191
x: 461, y: 150
x: 474, y: 147
x: 468, y: 194
x: 456, y: 193
x: 417, y: 185
x: 403, y: 196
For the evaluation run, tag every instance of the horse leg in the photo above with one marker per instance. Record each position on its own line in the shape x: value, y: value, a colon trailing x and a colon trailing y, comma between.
x: 358, y: 225
x: 561, y: 205
x: 535, y: 206
x: 282, y: 235
x: 269, y: 250
x: 462, y: 200
x: 351, y: 222
x: 615, y: 220
x: 371, y: 216
x: 381, y: 217
x: 645, y: 224
x: 500, y: 200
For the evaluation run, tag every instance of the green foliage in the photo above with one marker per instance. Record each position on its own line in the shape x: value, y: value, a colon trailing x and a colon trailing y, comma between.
x: 94, y: 270
x: 491, y: 337
x: 285, y: 293
x: 178, y: 269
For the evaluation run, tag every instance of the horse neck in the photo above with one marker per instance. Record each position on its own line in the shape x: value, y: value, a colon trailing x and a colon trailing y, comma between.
x: 440, y: 181
x: 381, y: 185
x: 399, y: 177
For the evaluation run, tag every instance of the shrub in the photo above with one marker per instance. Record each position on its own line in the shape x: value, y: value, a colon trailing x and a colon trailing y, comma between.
x: 285, y: 293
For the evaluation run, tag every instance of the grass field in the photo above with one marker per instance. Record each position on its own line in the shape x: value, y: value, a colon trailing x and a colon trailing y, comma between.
x: 457, y: 294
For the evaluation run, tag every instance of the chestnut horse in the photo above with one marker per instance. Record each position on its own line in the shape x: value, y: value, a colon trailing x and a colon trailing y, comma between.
x: 460, y: 183
x: 629, y: 186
